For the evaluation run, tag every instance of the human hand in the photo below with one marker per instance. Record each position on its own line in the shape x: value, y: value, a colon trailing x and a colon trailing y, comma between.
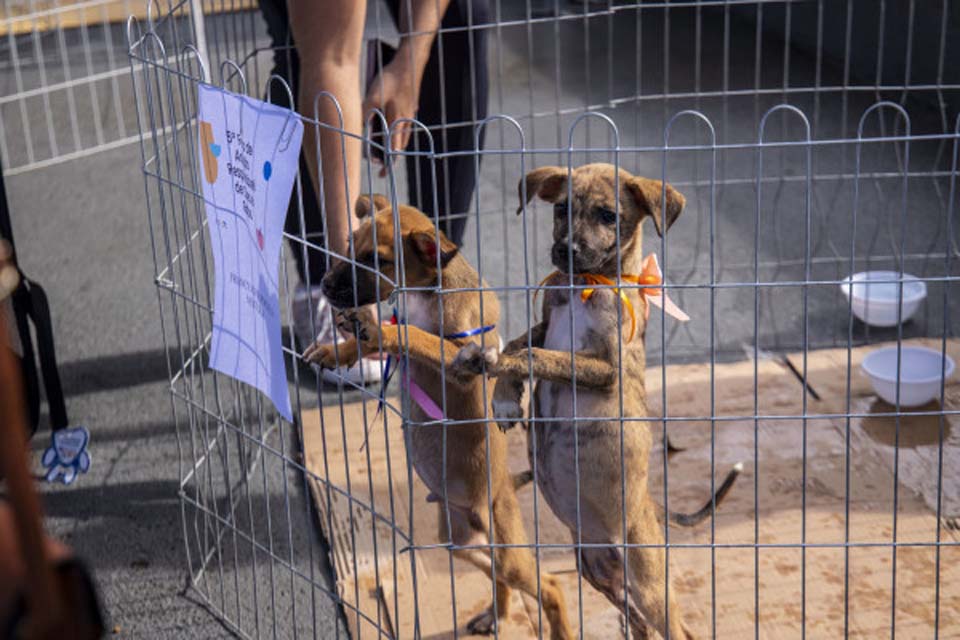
x: 396, y: 92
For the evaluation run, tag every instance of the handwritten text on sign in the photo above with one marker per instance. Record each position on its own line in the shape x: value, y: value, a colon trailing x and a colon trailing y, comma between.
x: 249, y: 151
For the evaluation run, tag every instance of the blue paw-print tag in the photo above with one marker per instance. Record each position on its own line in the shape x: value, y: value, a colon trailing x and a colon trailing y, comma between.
x: 67, y: 455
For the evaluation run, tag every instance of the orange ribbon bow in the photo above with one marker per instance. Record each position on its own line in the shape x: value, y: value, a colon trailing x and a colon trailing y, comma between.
x: 651, y: 275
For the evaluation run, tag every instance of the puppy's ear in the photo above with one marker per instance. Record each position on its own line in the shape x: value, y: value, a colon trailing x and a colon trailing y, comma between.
x: 547, y: 182
x: 425, y: 247
x: 364, y: 207
x: 650, y: 198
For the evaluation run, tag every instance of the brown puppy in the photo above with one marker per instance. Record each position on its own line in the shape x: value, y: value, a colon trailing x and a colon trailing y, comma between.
x: 468, y: 457
x: 583, y: 338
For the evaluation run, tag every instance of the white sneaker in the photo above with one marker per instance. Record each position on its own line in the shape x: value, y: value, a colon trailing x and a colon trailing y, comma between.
x: 321, y: 328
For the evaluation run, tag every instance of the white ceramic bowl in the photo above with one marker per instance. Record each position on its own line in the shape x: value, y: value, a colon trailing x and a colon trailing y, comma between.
x: 920, y: 374
x: 875, y: 294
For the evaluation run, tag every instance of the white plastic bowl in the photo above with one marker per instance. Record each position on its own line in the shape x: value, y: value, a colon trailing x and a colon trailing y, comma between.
x: 875, y: 295
x: 920, y: 374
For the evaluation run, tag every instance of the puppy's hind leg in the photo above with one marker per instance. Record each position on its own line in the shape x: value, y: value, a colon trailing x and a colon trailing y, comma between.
x: 603, y: 568
x: 647, y: 569
x: 516, y: 565
x: 467, y: 529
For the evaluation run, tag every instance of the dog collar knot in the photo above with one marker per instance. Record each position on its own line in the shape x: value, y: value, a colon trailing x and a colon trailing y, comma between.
x: 650, y: 275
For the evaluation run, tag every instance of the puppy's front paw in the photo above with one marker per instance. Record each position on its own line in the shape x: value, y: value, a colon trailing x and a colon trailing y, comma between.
x: 471, y: 360
x: 323, y: 355
x: 507, y: 395
x: 507, y: 413
x: 362, y: 323
x: 348, y: 323
x: 359, y: 322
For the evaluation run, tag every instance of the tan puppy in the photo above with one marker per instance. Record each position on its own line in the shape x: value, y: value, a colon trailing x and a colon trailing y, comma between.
x: 467, y: 455
x: 584, y: 336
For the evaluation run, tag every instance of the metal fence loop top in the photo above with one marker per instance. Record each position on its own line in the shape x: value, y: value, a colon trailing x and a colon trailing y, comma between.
x: 883, y: 104
x: 788, y: 108
x: 697, y: 115
x: 195, y: 55
x: 236, y: 72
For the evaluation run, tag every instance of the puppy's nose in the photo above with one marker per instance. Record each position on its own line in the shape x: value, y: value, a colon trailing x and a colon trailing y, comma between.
x: 564, y: 253
x: 327, y: 284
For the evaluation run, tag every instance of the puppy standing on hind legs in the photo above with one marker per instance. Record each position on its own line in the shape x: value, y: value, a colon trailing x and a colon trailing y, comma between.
x: 419, y: 342
x: 581, y: 333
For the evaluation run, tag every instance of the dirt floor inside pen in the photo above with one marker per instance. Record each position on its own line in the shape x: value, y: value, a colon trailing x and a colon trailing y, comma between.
x: 822, y: 556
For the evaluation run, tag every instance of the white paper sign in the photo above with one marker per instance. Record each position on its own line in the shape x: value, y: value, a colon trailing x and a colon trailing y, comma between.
x: 249, y: 152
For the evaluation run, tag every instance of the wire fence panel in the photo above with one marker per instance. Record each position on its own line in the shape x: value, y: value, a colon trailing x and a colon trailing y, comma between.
x: 65, y: 92
x: 728, y: 476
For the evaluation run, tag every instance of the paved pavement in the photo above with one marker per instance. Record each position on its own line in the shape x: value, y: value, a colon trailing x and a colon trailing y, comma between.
x: 88, y: 248
x: 81, y: 231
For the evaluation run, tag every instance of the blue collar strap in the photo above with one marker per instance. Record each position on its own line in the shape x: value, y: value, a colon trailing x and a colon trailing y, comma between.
x: 471, y: 332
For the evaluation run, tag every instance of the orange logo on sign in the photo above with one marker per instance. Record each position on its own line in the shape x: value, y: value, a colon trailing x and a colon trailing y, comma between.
x: 211, y: 151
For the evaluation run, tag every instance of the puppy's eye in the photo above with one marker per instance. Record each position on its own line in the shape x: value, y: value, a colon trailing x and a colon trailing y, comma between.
x: 383, y: 260
x: 607, y: 216
x: 560, y: 209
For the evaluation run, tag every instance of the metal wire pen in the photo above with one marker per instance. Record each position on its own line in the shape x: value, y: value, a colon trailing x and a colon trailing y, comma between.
x: 812, y: 140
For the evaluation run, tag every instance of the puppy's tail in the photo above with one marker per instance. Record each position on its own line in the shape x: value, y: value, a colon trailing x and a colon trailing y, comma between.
x: 670, y: 447
x: 693, y: 519
x: 522, y: 479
